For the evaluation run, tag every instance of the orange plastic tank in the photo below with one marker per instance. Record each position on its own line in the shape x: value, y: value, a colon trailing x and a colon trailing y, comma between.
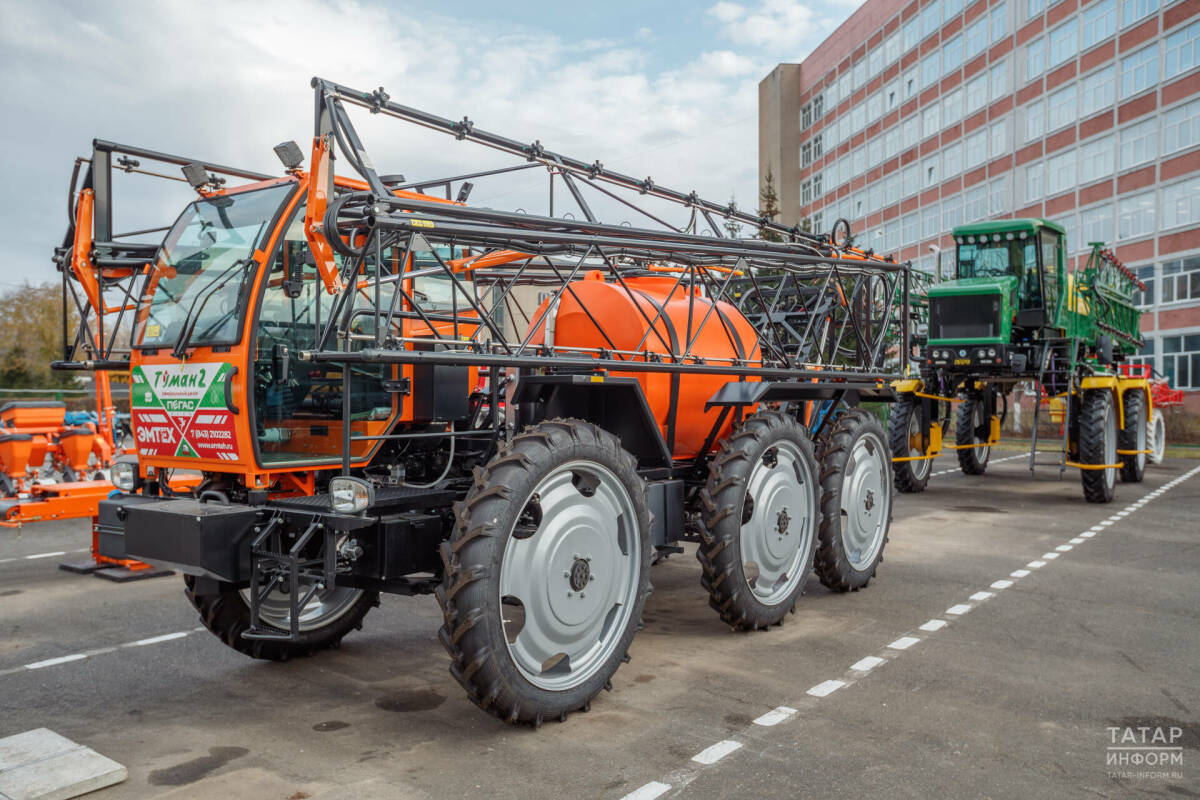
x: 627, y: 328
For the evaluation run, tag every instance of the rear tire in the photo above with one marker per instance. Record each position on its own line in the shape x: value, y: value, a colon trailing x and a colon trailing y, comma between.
x: 553, y: 538
x: 904, y: 437
x: 972, y: 418
x: 226, y: 614
x: 760, y: 509
x: 1098, y: 445
x: 856, y: 501
x: 1133, y: 436
x: 1158, y: 437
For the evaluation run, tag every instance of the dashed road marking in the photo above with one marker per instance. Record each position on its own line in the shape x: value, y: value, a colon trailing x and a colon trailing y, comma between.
x: 714, y: 753
x: 54, y: 662
x: 980, y: 596
x: 869, y: 663
x: 43, y: 555
x: 1018, y: 573
x: 650, y: 791
x: 825, y: 688
x: 933, y: 625
x: 1001, y: 584
x: 1036, y: 564
x: 904, y: 642
x: 775, y: 716
x: 959, y: 609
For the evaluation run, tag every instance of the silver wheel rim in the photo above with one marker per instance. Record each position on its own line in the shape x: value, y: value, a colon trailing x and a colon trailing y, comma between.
x: 325, y: 607
x: 778, y: 523
x: 1110, y: 445
x: 866, y: 501
x: 569, y: 576
x: 1159, y: 436
x: 920, y: 468
x: 977, y: 420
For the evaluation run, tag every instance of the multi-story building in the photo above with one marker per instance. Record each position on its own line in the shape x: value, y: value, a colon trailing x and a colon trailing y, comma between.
x: 917, y: 115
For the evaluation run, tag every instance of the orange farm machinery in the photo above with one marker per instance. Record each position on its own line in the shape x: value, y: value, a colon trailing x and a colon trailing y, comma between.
x: 388, y: 391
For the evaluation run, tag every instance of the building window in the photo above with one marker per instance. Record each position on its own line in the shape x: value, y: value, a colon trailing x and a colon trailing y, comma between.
x: 998, y: 196
x: 911, y: 230
x: 891, y: 235
x: 891, y: 96
x: 874, y: 198
x: 952, y: 160
x: 1139, y: 71
x: 999, y: 18
x: 858, y: 117
x: 952, y: 55
x: 875, y: 62
x: 818, y: 186
x: 998, y: 78
x: 860, y: 206
x: 1181, y: 203
x: 1068, y: 226
x: 874, y: 106
x: 977, y: 151
x: 912, y: 34
x: 1033, y: 183
x: 977, y: 37
x: 891, y: 190
x: 1099, y: 22
x: 1181, y: 360
x: 1060, y: 172
x: 929, y: 168
x: 952, y: 108
x: 952, y: 213
x: 1181, y: 127
x: 874, y: 153
x: 930, y: 222
x: 860, y: 160
x: 976, y: 203
x: 818, y: 106
x: 931, y: 18
x: 843, y: 86
x: 1033, y: 8
x: 1099, y: 90
x: 805, y: 116
x: 1145, y: 355
x: 1182, y: 49
x: 891, y: 48
x: 951, y: 9
x: 930, y: 124
x: 891, y: 143
x: 910, y: 132
x: 1035, y: 120
x: 1134, y: 10
x: 843, y: 126
x: 805, y: 154
x: 1135, y: 216
x: 1096, y: 224
x: 1145, y: 298
x: 910, y: 180
x: 1181, y: 280
x: 860, y: 74
x: 977, y: 93
x: 930, y: 70
x: 999, y: 138
x: 1064, y: 42
x: 1061, y: 108
x: 1138, y: 143
x: 1035, y: 59
x: 806, y: 194
x: 911, y: 83
x: 1096, y: 160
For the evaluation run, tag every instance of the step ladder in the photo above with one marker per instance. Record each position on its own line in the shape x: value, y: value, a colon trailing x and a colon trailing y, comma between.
x: 1058, y: 376
x: 278, y: 564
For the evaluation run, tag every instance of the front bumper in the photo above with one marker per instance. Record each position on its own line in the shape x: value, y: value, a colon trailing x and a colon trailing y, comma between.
x: 975, y: 358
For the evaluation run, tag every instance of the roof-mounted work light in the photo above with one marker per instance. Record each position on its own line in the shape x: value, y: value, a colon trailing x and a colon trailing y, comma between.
x: 290, y: 154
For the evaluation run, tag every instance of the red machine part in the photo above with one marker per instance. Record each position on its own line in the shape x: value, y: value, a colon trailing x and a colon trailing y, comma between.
x: 1160, y: 389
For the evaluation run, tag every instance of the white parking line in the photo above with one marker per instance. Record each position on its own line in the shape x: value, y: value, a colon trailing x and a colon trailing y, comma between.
x: 714, y: 753
x: 1018, y: 573
x: 904, y: 642
x: 980, y: 596
x: 650, y: 791
x: 44, y: 555
x: 867, y: 664
x: 54, y: 662
x: 1001, y: 584
x: 825, y: 688
x: 933, y: 625
x: 775, y: 716
x: 961, y: 608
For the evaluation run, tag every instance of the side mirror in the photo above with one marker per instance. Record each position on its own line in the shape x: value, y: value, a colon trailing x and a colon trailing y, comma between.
x: 281, y: 360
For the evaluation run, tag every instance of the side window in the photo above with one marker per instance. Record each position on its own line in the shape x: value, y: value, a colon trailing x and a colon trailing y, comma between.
x: 1051, y: 260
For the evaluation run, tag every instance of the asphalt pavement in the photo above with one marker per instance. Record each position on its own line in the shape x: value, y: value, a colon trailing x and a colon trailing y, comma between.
x: 1015, y: 637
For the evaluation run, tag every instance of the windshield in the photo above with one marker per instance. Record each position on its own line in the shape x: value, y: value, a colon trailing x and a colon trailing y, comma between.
x: 205, y: 268
x: 994, y: 259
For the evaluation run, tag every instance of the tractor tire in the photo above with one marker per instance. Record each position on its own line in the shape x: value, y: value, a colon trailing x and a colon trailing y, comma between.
x: 1157, y: 437
x: 972, y: 414
x: 856, y: 501
x: 1133, y: 436
x: 760, y: 511
x: 226, y: 614
x: 561, y: 509
x: 904, y: 428
x: 1098, y: 445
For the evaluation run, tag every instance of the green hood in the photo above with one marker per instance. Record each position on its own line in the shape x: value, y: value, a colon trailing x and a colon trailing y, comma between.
x: 947, y: 317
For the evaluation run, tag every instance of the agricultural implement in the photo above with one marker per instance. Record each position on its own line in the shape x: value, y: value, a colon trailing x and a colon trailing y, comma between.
x: 391, y: 391
x: 1016, y: 315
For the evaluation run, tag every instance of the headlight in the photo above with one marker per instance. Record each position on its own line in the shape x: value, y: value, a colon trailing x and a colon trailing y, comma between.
x: 350, y: 495
x: 991, y: 352
x: 125, y: 475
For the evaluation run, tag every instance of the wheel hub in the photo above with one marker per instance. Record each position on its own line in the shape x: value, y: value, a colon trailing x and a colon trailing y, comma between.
x: 581, y: 574
x: 781, y: 523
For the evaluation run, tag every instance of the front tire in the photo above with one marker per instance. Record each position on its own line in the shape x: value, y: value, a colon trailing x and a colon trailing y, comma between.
x: 324, y: 622
x: 970, y: 434
x: 1098, y: 445
x: 760, y: 521
x: 547, y: 572
x: 904, y: 437
x: 856, y: 501
x: 1133, y: 437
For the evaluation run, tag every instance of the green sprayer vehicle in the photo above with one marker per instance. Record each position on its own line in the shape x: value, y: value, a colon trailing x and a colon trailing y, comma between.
x: 1016, y: 314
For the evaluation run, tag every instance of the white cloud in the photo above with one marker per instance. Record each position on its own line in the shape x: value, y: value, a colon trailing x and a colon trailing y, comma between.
x: 226, y: 81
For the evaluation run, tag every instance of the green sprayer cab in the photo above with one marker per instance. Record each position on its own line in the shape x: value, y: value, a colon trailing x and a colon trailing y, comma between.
x: 1015, y: 315
x: 1012, y: 292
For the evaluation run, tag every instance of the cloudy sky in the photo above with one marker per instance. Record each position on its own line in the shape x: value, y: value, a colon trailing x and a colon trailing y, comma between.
x: 658, y: 88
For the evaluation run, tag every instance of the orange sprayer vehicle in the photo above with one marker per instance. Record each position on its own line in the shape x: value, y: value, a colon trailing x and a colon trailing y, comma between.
x: 387, y: 391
